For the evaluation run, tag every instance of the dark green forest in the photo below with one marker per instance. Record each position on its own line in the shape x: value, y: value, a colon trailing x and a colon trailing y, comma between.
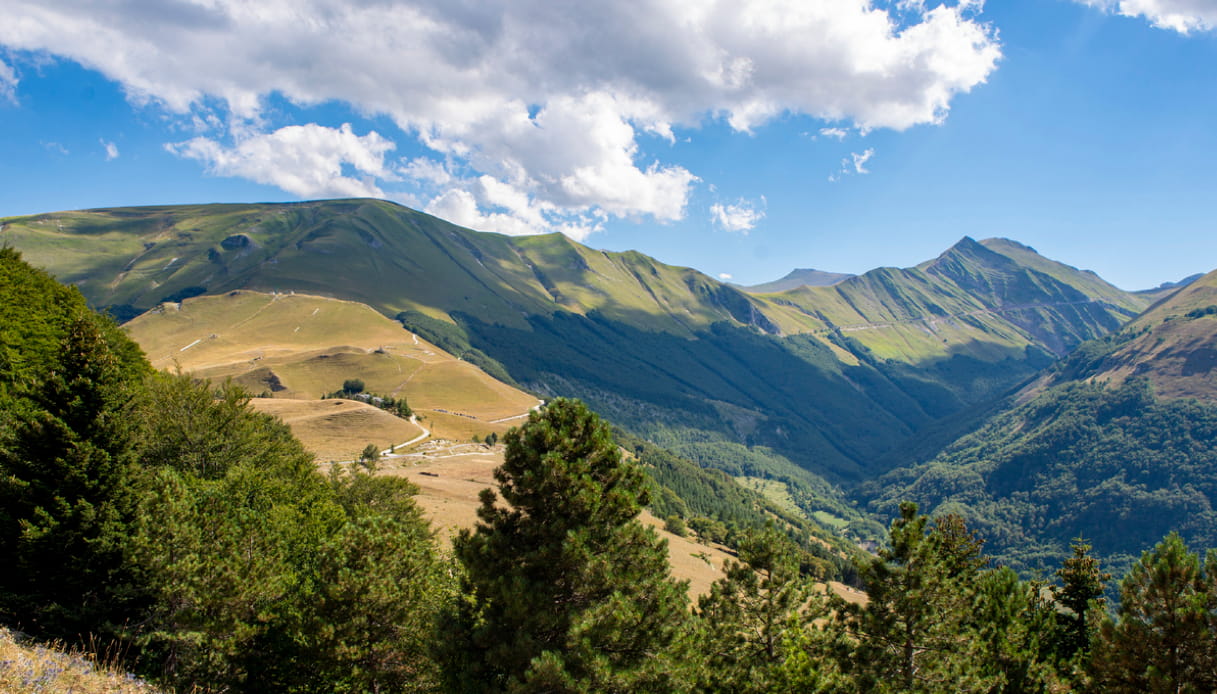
x: 164, y: 517
x: 1114, y: 463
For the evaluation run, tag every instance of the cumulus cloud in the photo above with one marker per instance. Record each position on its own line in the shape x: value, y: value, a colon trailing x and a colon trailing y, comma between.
x: 111, y: 150
x: 741, y: 216
x: 838, y: 133
x: 1183, y: 16
x: 310, y: 160
x: 725, y: 276
x: 549, y: 100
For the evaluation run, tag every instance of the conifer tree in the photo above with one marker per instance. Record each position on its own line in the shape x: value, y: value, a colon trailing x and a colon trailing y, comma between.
x: 66, y: 462
x: 913, y: 635
x: 1081, y: 594
x: 1163, y: 639
x: 564, y: 589
x: 751, y: 613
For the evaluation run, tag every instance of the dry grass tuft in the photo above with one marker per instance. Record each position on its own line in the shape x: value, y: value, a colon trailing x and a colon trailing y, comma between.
x: 26, y: 667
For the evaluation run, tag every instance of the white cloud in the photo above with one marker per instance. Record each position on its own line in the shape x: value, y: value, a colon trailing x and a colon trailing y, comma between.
x: 741, y: 216
x: 56, y: 148
x: 306, y: 160
x: 111, y: 150
x: 547, y: 99
x: 8, y: 83
x: 838, y: 133
x: 725, y: 276
x: 1183, y: 16
x: 859, y: 160
x: 855, y: 163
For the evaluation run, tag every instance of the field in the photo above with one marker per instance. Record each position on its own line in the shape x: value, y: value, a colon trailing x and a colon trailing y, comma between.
x: 295, y: 348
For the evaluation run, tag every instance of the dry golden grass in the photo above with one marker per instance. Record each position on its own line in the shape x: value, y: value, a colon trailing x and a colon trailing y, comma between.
x: 301, y: 346
x: 339, y: 429
x: 28, y: 668
x: 449, y: 486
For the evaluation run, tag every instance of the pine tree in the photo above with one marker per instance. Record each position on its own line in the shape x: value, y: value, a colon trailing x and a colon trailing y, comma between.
x: 913, y: 635
x: 564, y: 589
x: 1163, y: 639
x: 66, y: 470
x: 1081, y: 594
x: 751, y: 613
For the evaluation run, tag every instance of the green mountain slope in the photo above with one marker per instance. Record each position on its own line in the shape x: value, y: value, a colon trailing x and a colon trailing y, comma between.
x: 1173, y: 344
x: 831, y: 378
x: 1117, y: 444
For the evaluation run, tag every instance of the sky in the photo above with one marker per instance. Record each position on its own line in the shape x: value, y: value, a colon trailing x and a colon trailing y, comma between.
x: 744, y: 138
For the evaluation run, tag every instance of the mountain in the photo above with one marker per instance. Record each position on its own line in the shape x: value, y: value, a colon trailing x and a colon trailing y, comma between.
x: 1118, y: 443
x: 1166, y: 288
x: 807, y: 383
x: 799, y: 278
x: 1173, y: 345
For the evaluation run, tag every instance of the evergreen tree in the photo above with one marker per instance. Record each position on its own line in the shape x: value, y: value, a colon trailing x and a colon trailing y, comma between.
x: 1014, y: 623
x: 913, y: 635
x: 751, y: 613
x: 564, y: 589
x: 1080, y: 594
x: 1163, y: 639
x: 66, y: 469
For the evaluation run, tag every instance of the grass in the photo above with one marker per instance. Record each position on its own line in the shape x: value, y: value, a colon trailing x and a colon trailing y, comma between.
x: 303, y: 346
x: 773, y: 490
x: 29, y: 668
x: 339, y: 429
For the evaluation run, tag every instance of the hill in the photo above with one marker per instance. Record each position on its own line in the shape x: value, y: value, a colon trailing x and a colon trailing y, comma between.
x: 1117, y: 444
x: 815, y: 382
x: 1173, y: 344
x: 298, y: 347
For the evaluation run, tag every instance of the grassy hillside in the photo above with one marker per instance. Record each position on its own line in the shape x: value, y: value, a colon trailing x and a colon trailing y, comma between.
x: 297, y: 348
x: 834, y: 379
x: 1173, y: 344
x: 1118, y: 444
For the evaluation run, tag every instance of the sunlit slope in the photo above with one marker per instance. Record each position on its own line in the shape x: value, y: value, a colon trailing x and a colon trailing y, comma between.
x: 992, y: 300
x: 1173, y: 344
x: 387, y: 256
x: 339, y: 430
x: 832, y: 378
x: 300, y: 346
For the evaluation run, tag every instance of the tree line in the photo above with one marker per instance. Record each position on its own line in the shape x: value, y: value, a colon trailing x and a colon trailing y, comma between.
x: 164, y: 516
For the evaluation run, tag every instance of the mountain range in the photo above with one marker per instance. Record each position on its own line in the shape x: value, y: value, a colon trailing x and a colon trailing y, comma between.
x: 817, y: 383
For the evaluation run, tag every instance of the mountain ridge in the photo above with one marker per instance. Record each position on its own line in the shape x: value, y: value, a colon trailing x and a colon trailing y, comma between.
x: 832, y: 378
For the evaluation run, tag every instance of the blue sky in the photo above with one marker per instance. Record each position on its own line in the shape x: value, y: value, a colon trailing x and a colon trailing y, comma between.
x: 742, y: 138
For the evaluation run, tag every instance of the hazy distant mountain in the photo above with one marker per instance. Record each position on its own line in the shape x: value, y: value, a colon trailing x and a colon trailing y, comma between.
x: 1163, y: 290
x: 833, y: 378
x: 799, y: 278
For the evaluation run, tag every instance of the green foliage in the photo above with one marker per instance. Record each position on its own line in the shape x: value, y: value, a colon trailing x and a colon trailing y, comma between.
x: 750, y: 616
x: 565, y: 589
x: 1165, y: 639
x: 166, y: 518
x: 1113, y: 464
x: 912, y: 634
x: 353, y: 389
x: 66, y: 468
x: 1080, y: 594
x: 453, y: 340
